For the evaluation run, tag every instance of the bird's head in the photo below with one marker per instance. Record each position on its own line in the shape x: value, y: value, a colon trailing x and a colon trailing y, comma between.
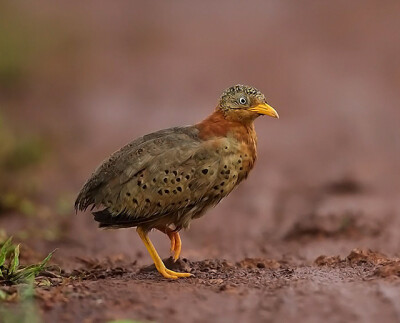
x: 244, y: 103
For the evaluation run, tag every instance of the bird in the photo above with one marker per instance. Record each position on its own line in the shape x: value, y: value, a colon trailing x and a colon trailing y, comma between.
x: 168, y: 178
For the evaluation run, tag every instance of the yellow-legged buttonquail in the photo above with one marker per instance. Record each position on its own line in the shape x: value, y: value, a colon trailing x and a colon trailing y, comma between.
x: 166, y: 179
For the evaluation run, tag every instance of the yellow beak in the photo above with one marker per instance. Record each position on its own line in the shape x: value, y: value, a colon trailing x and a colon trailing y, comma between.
x: 266, y: 109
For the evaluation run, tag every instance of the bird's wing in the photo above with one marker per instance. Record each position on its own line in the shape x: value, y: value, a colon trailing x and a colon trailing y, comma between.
x: 159, y: 173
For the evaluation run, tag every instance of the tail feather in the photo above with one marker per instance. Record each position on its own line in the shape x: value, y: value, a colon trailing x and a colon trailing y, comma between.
x: 107, y: 220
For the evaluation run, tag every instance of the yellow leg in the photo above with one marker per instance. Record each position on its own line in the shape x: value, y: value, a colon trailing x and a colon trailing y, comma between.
x: 176, y: 242
x: 156, y: 258
x: 172, y: 238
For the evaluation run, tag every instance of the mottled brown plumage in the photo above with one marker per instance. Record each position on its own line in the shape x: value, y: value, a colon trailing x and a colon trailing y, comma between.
x: 168, y: 178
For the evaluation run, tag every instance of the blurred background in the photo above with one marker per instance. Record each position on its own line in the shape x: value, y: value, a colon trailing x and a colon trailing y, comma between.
x: 79, y: 79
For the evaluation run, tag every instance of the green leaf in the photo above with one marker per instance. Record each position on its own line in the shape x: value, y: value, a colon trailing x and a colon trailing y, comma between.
x: 4, y: 250
x: 23, y: 275
x: 46, y: 260
x: 31, y: 271
x: 14, y: 262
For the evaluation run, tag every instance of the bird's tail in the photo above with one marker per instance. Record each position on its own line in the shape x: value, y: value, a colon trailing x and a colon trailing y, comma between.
x: 107, y: 220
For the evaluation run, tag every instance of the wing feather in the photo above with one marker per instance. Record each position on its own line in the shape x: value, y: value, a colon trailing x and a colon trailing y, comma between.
x: 158, y: 174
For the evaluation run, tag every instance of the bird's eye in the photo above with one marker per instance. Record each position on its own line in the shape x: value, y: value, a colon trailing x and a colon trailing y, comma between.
x: 242, y: 100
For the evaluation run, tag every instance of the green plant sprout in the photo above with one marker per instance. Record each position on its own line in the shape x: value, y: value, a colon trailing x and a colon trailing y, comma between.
x: 11, y: 272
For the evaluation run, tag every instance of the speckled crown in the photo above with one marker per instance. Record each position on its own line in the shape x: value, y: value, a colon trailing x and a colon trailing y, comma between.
x: 229, y: 93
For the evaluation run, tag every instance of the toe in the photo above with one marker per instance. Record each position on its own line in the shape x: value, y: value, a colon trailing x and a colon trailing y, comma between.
x: 168, y: 275
x: 174, y: 273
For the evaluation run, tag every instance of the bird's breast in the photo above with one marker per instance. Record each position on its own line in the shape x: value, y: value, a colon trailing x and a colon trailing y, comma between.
x: 235, y: 144
x: 237, y: 158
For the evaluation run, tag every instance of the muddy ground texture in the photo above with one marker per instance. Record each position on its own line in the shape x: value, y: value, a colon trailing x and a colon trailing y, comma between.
x: 312, y: 235
x: 356, y: 287
x: 251, y: 289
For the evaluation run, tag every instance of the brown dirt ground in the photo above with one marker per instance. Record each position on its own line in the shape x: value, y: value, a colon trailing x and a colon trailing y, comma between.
x: 294, y: 242
x: 253, y: 289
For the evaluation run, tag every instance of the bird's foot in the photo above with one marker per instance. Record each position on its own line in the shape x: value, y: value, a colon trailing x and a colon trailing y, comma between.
x: 167, y: 273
